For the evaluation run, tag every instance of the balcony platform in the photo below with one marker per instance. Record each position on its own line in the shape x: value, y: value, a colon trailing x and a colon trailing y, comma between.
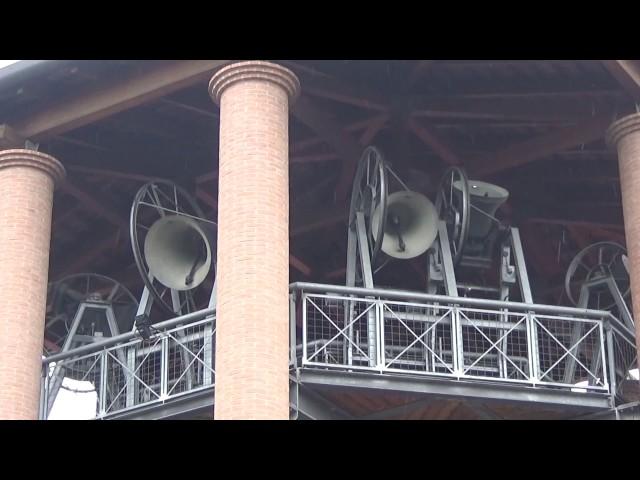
x: 376, y: 354
x: 365, y: 395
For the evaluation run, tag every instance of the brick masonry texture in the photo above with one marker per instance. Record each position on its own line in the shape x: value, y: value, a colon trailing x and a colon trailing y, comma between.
x: 27, y: 180
x: 624, y: 134
x: 252, y: 336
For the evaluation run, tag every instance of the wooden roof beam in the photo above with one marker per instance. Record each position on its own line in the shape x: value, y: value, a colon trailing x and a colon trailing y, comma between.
x: 627, y: 73
x: 207, y: 198
x: 88, y: 201
x: 111, y: 174
x: 573, y: 222
x: 530, y: 150
x: 432, y: 139
x: 418, y: 71
x: 75, y: 262
x: 351, y: 128
x: 349, y: 165
x: 83, y: 109
x: 324, y: 220
x: 327, y: 128
x: 333, y: 89
x: 524, y: 109
x: 299, y: 265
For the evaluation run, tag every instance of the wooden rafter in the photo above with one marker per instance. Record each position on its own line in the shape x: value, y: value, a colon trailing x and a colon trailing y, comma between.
x: 543, y: 110
x: 299, y: 265
x: 191, y: 108
x: 75, y: 262
x: 530, y: 150
x: 433, y: 140
x: 418, y: 71
x: 9, y: 138
x: 111, y: 174
x: 207, y: 198
x: 351, y: 128
x: 333, y: 89
x: 207, y: 177
x: 324, y: 124
x: 320, y: 221
x: 580, y: 223
x: 349, y: 165
x: 627, y: 73
x: 104, y: 101
x: 314, y: 158
x: 100, y: 207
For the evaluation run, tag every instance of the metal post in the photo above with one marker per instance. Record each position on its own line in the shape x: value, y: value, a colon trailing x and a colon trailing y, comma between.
x: 595, y: 365
x: 367, y: 277
x: 456, y: 341
x: 42, y: 413
x: 292, y: 331
x: 304, y: 329
x: 102, y: 395
x: 352, y: 246
x: 612, y: 366
x: 164, y: 364
x: 521, y: 267
x: 130, y: 377
x: 502, y: 357
x: 146, y: 301
x: 363, y: 244
x: 530, y: 355
x: 451, y: 289
x: 380, y: 337
x: 184, y: 357
x: 213, y: 298
x: 68, y: 342
x: 570, y: 368
x: 576, y: 333
x: 534, y: 352
x: 208, y: 352
x: 620, y: 303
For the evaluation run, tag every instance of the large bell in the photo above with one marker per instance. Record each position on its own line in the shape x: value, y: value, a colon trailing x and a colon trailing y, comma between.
x: 486, y: 198
x: 178, y: 252
x: 411, y: 227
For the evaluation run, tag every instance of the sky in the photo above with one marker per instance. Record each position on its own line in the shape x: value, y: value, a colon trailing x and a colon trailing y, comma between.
x: 76, y: 400
x: 6, y: 63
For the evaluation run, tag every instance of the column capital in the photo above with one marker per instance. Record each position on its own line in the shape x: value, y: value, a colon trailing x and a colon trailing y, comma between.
x: 254, y: 70
x: 621, y: 128
x: 31, y: 158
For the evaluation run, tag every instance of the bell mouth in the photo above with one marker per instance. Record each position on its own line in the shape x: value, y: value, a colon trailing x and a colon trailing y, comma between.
x: 478, y: 188
x: 177, y: 252
x: 411, y: 225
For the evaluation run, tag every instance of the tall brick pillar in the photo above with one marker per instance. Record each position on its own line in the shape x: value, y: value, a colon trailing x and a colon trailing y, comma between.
x: 252, y: 346
x: 27, y: 180
x: 624, y: 135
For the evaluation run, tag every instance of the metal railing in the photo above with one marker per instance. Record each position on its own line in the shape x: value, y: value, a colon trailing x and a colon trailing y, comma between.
x: 380, y: 330
x: 390, y: 331
x: 128, y: 372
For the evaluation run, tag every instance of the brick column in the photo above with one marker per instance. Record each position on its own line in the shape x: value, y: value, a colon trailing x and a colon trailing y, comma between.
x: 624, y: 135
x: 27, y: 180
x: 252, y: 336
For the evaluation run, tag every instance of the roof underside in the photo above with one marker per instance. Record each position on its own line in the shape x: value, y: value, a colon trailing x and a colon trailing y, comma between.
x: 534, y: 127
